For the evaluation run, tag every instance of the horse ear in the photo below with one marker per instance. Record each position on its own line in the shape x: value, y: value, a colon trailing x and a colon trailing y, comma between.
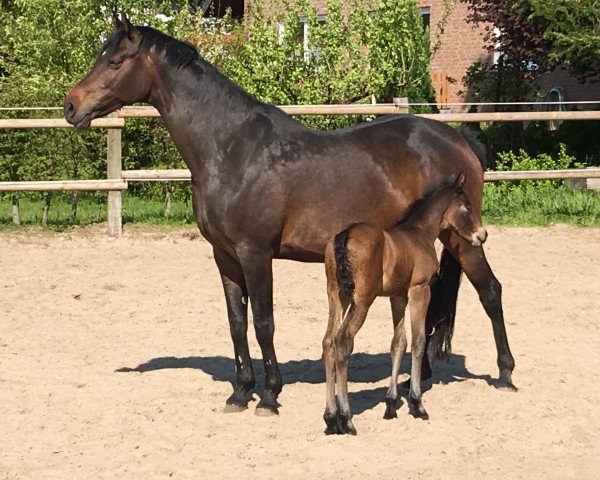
x: 460, y: 181
x: 127, y: 26
x: 116, y: 22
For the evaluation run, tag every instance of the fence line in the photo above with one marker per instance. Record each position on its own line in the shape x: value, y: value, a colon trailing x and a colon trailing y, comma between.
x: 390, y: 108
x: 23, y: 123
x: 184, y: 174
x: 117, y: 179
x: 64, y: 186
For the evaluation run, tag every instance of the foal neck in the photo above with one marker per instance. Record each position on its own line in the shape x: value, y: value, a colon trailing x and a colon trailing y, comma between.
x: 426, y: 214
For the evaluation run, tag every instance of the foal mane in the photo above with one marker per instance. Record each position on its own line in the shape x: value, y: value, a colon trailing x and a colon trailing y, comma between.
x: 418, y: 204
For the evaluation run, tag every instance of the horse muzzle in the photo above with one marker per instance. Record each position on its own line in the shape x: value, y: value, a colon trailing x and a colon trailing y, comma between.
x: 479, y: 237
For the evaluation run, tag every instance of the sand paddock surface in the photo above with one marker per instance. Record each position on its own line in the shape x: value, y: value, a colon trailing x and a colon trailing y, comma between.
x: 116, y: 360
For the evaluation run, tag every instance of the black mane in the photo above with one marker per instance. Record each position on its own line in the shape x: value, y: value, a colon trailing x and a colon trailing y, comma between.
x: 177, y: 53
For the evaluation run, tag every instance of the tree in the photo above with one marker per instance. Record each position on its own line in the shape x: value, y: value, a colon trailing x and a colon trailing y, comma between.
x: 573, y: 29
x: 292, y: 56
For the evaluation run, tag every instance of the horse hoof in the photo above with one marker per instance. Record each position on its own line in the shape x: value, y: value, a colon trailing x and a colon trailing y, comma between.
x: 234, y: 408
x: 506, y: 385
x: 265, y: 410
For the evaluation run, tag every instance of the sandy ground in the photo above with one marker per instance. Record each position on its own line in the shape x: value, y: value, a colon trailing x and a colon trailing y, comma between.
x: 115, y: 362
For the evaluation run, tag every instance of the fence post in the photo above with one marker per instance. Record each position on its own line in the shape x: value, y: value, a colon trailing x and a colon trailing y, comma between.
x: 113, y: 170
x: 402, y: 104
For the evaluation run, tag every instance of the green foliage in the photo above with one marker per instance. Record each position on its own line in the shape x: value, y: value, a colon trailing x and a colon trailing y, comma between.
x: 573, y: 28
x: 398, y: 52
x: 349, y: 56
x: 543, y: 202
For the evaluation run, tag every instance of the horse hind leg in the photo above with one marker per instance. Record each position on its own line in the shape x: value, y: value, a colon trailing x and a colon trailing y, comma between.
x: 397, y: 351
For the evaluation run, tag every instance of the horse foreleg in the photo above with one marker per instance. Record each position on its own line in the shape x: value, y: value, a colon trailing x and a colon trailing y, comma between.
x: 489, y: 289
x: 418, y: 298
x: 236, y: 297
x: 397, y: 351
x: 258, y: 272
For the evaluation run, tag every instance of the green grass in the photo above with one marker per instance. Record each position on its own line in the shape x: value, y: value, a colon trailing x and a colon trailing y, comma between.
x: 91, y: 210
x: 524, y: 205
x: 529, y: 206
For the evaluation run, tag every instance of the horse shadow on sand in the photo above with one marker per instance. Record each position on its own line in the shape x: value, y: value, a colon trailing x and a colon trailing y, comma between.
x: 363, y: 368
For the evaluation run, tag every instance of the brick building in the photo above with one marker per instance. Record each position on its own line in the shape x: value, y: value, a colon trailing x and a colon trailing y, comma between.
x: 460, y: 45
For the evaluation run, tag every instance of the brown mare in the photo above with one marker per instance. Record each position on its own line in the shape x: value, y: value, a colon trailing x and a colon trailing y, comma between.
x: 364, y: 262
x: 264, y: 186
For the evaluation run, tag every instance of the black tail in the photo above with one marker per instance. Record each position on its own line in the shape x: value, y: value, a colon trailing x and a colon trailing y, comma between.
x: 442, y: 307
x: 478, y: 148
x: 345, y: 278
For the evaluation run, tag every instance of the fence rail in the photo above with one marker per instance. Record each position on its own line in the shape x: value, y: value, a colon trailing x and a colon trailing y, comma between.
x: 184, y: 174
x: 117, y: 181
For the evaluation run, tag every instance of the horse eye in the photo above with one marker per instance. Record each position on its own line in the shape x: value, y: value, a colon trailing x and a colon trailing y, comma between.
x: 115, y: 63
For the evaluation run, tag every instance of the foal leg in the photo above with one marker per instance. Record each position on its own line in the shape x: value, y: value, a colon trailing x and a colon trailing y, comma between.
x: 397, y: 351
x: 489, y: 289
x: 258, y: 272
x: 236, y: 297
x: 344, y: 344
x: 418, y: 296
x: 331, y: 417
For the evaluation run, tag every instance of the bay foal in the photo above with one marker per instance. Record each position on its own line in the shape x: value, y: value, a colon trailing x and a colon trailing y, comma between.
x: 365, y: 261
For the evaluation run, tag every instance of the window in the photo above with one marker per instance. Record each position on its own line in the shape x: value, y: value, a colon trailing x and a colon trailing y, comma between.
x: 425, y: 16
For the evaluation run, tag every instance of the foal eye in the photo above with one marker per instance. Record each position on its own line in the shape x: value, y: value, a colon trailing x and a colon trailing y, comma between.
x: 115, y: 63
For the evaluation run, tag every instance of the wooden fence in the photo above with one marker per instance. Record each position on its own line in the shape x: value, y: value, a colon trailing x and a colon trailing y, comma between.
x: 117, y: 179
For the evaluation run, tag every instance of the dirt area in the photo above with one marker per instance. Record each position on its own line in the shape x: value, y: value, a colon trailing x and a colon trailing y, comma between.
x: 116, y: 360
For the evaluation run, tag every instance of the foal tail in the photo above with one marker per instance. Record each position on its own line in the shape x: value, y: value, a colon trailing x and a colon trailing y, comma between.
x: 344, y: 273
x: 439, y: 324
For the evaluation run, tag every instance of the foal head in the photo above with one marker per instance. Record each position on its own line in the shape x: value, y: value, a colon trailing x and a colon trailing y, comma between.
x: 458, y: 216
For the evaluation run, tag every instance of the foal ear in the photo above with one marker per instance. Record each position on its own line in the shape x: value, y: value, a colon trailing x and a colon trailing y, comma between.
x: 460, y: 181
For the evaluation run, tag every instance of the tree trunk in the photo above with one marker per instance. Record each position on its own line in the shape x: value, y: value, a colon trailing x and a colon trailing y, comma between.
x: 47, y: 203
x: 73, y: 214
x: 16, y: 218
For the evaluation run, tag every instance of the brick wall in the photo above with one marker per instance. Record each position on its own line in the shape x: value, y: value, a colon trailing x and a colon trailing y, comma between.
x: 461, y: 44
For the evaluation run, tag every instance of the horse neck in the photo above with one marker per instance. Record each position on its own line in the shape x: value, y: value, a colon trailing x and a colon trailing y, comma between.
x: 428, y: 217
x: 200, y: 107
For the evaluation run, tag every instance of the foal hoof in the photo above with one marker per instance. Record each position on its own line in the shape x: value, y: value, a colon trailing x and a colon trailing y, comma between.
x: 334, y: 425
x: 390, y: 409
x: 422, y: 414
x: 417, y: 410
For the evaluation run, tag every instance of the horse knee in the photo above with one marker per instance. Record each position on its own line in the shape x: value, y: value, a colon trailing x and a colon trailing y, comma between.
x: 491, y: 295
